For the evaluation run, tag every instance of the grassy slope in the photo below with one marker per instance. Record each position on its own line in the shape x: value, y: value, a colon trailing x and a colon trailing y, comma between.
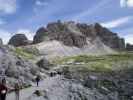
x: 24, y: 53
x: 100, y: 63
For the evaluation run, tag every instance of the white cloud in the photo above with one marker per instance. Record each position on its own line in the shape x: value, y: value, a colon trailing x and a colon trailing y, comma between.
x: 2, y: 22
x: 123, y: 3
x: 40, y: 3
x: 5, y: 36
x: 130, y: 3
x: 126, y: 3
x: 127, y: 33
x: 129, y: 38
x: 117, y: 22
x: 8, y: 6
x: 27, y: 32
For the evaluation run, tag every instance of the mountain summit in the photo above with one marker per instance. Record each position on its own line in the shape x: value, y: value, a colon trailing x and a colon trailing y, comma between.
x: 78, y: 35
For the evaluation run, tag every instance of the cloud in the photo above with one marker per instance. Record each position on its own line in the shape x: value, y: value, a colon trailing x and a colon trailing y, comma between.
x: 40, y: 3
x: 27, y: 32
x: 130, y: 3
x: 123, y: 3
x: 8, y: 6
x: 117, y: 22
x: 127, y: 33
x: 126, y: 3
x: 5, y: 36
x: 2, y: 22
x: 91, y: 10
x: 129, y: 38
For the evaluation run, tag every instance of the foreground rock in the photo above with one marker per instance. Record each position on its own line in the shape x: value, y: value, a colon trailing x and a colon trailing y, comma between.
x: 119, y: 82
x: 13, y: 66
x: 59, y: 88
x: 19, y: 40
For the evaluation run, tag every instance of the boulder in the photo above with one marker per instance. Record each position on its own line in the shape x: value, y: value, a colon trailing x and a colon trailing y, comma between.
x: 19, y: 40
x: 45, y: 64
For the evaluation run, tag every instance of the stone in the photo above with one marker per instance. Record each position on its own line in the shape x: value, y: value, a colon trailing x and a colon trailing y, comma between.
x: 45, y: 64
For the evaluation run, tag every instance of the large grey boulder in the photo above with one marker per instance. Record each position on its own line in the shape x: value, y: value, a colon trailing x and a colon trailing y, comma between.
x: 44, y: 63
x: 19, y: 40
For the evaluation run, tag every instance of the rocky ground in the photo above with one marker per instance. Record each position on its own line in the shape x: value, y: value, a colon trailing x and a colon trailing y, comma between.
x: 14, y: 63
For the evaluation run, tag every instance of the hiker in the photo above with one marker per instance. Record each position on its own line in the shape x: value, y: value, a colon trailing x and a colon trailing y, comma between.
x: 18, y: 87
x: 17, y: 90
x: 37, y: 80
x: 3, y: 89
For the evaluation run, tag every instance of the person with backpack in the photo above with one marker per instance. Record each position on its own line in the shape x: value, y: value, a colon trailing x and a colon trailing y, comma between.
x: 17, y: 90
x: 3, y: 89
x: 37, y: 80
x: 18, y: 87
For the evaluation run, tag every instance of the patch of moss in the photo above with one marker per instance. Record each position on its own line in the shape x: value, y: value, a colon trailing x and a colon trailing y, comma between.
x: 22, y: 52
x: 100, y: 67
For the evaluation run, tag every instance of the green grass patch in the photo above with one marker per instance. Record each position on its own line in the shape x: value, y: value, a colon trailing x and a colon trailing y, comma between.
x: 103, y: 63
x: 105, y: 58
x: 23, y: 53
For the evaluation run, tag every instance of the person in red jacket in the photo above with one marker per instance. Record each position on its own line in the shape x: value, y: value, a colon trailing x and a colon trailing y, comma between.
x: 3, y: 90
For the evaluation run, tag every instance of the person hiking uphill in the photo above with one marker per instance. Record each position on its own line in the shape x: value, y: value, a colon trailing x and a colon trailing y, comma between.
x: 3, y: 89
x: 17, y: 88
x: 37, y: 80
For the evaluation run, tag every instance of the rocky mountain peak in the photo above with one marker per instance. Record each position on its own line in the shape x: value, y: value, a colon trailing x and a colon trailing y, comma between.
x: 39, y: 37
x: 79, y: 34
x: 19, y: 40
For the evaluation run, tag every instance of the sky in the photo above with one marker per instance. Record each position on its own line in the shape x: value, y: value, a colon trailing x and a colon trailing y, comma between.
x: 26, y: 16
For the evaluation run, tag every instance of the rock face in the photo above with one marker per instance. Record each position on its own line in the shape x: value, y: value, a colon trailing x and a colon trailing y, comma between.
x: 40, y: 35
x: 12, y: 66
x: 76, y: 34
x: 1, y: 42
x: 19, y: 40
x: 106, y: 36
x: 61, y: 32
x: 109, y: 38
x: 129, y: 47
